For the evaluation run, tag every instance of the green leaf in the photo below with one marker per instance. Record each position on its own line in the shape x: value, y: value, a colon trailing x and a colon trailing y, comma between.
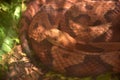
x: 16, y: 40
x: 5, y: 48
x: 17, y: 12
x: 4, y: 6
x: 8, y: 41
x: 1, y: 52
x: 2, y: 35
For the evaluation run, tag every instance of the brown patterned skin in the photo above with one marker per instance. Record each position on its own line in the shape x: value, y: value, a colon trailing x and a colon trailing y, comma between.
x: 74, y: 37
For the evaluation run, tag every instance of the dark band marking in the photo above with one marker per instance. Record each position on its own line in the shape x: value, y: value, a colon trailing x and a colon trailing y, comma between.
x: 91, y: 66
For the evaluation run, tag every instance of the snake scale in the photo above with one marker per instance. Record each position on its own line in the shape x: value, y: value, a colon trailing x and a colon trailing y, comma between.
x: 73, y: 37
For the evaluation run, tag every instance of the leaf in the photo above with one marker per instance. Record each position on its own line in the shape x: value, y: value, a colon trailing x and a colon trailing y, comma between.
x: 8, y: 41
x: 4, y: 6
x: 5, y: 48
x: 17, y: 12
x: 1, y: 52
x: 2, y: 35
x: 16, y: 40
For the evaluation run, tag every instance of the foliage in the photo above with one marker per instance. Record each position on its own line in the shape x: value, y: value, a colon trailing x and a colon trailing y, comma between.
x: 9, y: 16
x: 10, y: 11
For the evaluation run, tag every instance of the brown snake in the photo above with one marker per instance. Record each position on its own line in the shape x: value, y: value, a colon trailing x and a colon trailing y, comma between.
x: 74, y: 37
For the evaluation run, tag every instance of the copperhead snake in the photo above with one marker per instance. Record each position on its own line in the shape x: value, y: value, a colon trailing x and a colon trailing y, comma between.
x: 73, y: 37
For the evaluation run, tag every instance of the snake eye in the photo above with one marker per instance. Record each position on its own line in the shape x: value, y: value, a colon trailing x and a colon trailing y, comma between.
x: 82, y: 19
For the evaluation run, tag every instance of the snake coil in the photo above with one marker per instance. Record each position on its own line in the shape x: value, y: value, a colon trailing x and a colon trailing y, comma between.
x: 77, y: 38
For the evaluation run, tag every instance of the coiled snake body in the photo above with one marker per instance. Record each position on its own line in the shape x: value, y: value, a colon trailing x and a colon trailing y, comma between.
x: 74, y: 37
